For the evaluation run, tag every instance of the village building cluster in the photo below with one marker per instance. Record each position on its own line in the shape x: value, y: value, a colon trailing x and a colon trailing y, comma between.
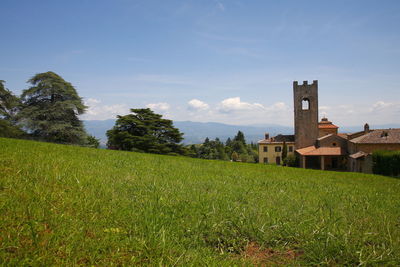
x: 319, y: 145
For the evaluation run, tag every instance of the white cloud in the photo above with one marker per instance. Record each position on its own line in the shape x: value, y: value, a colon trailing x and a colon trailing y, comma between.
x: 381, y: 105
x: 279, y: 106
x: 97, y: 111
x: 162, y: 106
x: 235, y: 104
x: 196, y: 104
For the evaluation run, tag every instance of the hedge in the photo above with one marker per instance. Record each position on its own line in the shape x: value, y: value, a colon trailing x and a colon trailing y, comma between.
x: 386, y: 163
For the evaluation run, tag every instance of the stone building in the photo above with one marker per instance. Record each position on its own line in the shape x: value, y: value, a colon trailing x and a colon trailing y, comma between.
x: 319, y: 145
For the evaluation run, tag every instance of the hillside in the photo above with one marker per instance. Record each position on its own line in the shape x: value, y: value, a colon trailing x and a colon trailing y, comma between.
x: 66, y: 205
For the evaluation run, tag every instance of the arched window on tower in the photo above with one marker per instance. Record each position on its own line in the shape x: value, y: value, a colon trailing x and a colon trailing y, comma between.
x: 305, y: 104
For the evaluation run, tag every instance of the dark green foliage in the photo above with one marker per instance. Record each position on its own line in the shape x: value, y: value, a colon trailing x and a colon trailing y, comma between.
x: 234, y: 149
x: 50, y: 109
x: 192, y: 151
x: 9, y: 130
x: 386, y: 163
x: 92, y: 141
x: 9, y: 103
x: 291, y: 161
x: 212, y: 149
x: 284, y: 152
x: 240, y: 138
x: 145, y: 131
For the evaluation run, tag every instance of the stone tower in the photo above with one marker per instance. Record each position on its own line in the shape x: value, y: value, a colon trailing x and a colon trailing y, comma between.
x: 305, y: 113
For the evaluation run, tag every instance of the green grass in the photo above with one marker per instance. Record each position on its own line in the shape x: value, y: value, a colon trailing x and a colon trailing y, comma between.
x: 66, y: 205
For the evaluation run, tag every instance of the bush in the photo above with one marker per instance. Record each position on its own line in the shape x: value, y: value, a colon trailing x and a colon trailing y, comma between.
x: 386, y: 163
x: 291, y: 161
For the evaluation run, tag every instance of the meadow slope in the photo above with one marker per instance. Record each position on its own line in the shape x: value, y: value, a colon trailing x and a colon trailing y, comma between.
x: 66, y: 205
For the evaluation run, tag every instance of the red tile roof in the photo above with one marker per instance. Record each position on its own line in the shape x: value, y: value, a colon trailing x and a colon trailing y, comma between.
x: 327, y: 126
x: 321, y: 151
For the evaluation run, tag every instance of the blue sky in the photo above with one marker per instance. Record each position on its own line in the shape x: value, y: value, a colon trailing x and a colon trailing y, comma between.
x: 211, y: 60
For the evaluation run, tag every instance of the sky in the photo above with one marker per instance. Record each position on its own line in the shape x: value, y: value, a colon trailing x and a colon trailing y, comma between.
x: 211, y: 60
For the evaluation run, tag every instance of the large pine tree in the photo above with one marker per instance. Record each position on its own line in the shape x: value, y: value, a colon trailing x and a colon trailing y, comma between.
x: 143, y: 130
x: 50, y: 109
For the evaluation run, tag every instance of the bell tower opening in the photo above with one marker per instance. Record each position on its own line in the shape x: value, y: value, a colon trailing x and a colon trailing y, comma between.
x: 305, y: 104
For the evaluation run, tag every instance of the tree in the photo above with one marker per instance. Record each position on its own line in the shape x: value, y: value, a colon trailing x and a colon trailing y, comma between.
x: 235, y: 156
x: 92, y: 141
x: 284, y: 152
x: 9, y: 103
x: 192, y: 151
x: 145, y: 131
x: 50, y: 109
x: 240, y: 138
x: 9, y: 130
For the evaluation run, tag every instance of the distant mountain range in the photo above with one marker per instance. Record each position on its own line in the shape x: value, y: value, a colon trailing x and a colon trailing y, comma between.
x: 196, y: 132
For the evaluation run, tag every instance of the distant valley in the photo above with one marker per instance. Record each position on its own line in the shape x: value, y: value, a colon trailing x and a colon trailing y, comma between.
x: 196, y: 132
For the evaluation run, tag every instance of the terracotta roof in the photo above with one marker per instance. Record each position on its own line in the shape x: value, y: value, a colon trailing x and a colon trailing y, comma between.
x: 330, y: 135
x: 321, y: 151
x: 343, y: 135
x: 358, y: 154
x: 381, y: 136
x: 278, y: 139
x: 268, y: 141
x: 305, y: 150
x: 327, y: 126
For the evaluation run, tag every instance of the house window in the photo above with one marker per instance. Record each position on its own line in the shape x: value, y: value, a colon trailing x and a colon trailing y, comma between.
x: 278, y: 160
x: 290, y: 149
x: 334, y: 144
x: 265, y: 160
x: 265, y: 149
x: 305, y: 104
x: 278, y: 149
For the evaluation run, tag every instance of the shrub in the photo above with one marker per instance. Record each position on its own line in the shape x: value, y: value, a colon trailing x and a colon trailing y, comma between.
x: 291, y: 161
x: 386, y: 163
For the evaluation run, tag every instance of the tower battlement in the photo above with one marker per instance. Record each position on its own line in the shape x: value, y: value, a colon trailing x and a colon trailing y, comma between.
x: 296, y: 83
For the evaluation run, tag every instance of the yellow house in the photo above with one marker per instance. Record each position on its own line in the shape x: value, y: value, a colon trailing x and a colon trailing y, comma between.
x: 270, y: 149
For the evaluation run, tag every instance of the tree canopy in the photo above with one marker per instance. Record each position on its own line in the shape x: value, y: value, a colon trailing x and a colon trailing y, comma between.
x: 234, y: 149
x: 143, y: 130
x: 9, y: 103
x: 50, y: 109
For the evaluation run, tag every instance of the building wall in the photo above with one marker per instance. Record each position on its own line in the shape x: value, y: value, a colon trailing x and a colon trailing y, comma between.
x: 365, y: 164
x: 323, y: 132
x: 305, y: 120
x: 271, y: 154
x: 331, y: 140
x: 369, y: 148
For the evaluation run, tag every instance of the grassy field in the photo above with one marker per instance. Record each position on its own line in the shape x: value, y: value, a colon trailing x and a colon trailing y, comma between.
x: 66, y: 205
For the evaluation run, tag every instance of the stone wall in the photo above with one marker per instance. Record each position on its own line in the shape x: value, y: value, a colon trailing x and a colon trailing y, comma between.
x: 305, y: 119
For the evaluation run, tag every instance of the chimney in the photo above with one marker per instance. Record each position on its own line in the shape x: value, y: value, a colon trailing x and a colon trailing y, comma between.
x: 266, y: 136
x: 366, y: 128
